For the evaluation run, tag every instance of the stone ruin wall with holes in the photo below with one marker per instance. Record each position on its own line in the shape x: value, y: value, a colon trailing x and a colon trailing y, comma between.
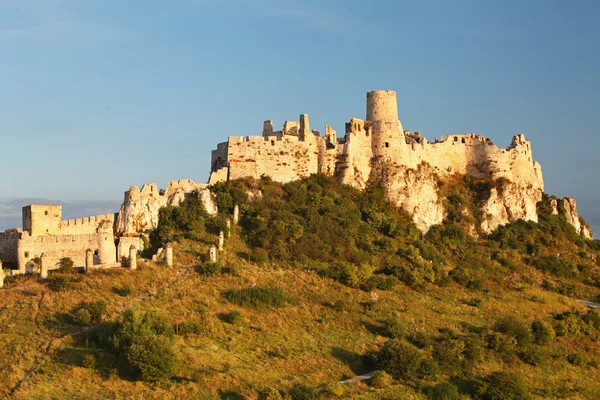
x: 140, y: 208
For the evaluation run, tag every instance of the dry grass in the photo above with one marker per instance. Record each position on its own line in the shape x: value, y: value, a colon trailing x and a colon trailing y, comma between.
x: 308, y: 341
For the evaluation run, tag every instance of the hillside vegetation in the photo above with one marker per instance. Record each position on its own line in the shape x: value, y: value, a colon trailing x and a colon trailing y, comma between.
x: 317, y: 283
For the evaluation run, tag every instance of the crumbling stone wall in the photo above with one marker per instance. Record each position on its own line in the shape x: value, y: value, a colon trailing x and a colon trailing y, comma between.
x: 60, y: 246
x: 139, y: 211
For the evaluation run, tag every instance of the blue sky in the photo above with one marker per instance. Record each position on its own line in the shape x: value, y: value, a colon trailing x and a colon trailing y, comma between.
x: 97, y: 95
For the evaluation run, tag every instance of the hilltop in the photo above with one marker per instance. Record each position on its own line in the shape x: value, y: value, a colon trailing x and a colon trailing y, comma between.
x: 316, y: 283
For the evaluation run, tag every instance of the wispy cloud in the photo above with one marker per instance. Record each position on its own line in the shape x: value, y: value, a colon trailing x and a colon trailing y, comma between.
x: 56, y: 21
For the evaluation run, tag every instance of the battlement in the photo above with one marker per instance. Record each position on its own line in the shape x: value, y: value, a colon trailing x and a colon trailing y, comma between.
x: 289, y: 154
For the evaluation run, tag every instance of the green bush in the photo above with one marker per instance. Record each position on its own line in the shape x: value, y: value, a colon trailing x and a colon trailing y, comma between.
x: 577, y: 359
x: 515, y: 328
x: 152, y: 356
x: 336, y: 389
x: 421, y: 340
x: 555, y: 266
x: 350, y: 274
x: 399, y: 359
x: 59, y: 283
x: 378, y: 282
x: 393, y: 328
x: 543, y: 332
x: 66, y: 264
x: 443, y: 391
x: 341, y: 305
x: 381, y: 379
x: 569, y: 323
x: 134, y: 323
x: 428, y: 369
x: 534, y: 355
x: 448, y: 352
x: 502, y: 386
x: 90, y: 313
x: 500, y: 342
x: 258, y: 297
x: 271, y: 394
x: 210, y: 269
x: 123, y: 291
x: 303, y: 392
x: 190, y: 328
x: 233, y: 317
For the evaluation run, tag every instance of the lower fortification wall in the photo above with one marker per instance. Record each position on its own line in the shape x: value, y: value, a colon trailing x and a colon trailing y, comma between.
x: 72, y: 246
x: 87, y: 226
x: 9, y: 247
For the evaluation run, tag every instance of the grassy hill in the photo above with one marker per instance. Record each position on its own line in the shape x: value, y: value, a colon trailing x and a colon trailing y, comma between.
x: 318, y: 283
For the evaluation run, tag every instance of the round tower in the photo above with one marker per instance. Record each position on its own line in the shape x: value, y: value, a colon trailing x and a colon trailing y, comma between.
x: 382, y: 120
x: 382, y: 105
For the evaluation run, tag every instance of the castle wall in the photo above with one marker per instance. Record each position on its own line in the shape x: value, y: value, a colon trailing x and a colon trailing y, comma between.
x: 283, y: 160
x: 58, y: 247
x: 86, y: 226
x: 140, y: 208
x: 9, y: 247
x: 125, y: 243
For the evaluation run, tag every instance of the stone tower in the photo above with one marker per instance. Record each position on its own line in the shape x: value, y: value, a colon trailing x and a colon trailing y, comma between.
x: 382, y: 121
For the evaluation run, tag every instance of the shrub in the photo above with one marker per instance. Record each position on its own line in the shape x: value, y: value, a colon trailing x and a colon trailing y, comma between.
x: 500, y: 342
x: 569, y: 323
x: 421, y: 340
x: 577, y: 359
x: 89, y: 361
x: 122, y: 291
x: 90, y: 313
x: 381, y: 379
x: 502, y: 386
x: 393, y: 328
x: 474, y: 302
x: 443, y: 391
x: 378, y: 282
x: 448, y: 352
x: 428, y: 369
x: 534, y: 355
x: 303, y: 392
x: 515, y: 328
x: 271, y: 394
x: 258, y: 297
x: 152, y: 356
x: 399, y: 359
x: 555, y: 266
x: 543, y: 332
x: 337, y: 389
x: 190, y: 328
x: 66, y: 264
x: 210, y: 269
x: 341, y: 305
x: 59, y: 283
x: 233, y: 317
x: 134, y: 323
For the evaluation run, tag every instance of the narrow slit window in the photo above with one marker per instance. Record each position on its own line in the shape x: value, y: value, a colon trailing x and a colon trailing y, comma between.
x: 387, y: 144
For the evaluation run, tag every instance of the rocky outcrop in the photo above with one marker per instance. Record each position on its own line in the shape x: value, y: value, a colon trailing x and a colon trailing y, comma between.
x: 509, y: 203
x: 414, y: 191
x: 140, y: 208
x: 567, y: 206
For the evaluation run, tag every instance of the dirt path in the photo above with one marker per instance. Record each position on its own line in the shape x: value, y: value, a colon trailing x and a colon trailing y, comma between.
x: 44, y: 350
x: 589, y: 303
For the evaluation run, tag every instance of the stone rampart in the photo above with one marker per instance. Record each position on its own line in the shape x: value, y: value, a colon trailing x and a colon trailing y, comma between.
x: 89, y: 225
x: 9, y: 247
x: 61, y: 246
